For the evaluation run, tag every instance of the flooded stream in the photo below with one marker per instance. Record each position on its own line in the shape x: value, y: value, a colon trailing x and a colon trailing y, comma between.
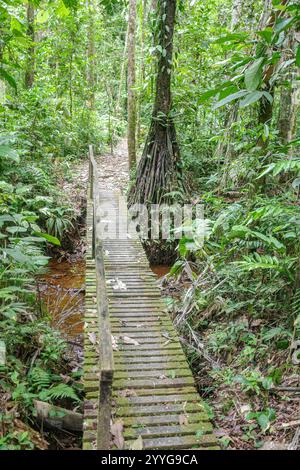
x: 62, y: 294
x: 160, y: 269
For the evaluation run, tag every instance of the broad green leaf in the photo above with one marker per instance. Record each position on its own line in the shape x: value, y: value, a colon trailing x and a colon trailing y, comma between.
x: 263, y: 422
x: 268, y: 96
x: 8, y: 78
x: 298, y: 56
x: 236, y: 37
x: 253, y: 74
x: 283, y: 24
x: 42, y: 16
x: 230, y: 98
x: 177, y: 267
x: 210, y: 93
x: 49, y: 238
x: 266, y: 34
x: 251, y: 98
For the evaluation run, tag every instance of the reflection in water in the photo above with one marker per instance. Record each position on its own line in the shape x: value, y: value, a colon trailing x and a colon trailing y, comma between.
x: 62, y: 292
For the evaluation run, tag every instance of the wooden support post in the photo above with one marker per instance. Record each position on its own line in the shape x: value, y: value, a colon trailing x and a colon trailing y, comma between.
x: 106, y: 363
x: 92, y: 175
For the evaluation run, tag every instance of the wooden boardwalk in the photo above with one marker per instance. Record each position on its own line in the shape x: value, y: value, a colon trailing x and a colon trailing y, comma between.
x: 153, y: 403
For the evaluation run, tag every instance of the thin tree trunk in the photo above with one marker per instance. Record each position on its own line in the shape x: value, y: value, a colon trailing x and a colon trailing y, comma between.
x: 141, y: 68
x: 159, y: 170
x: 265, y: 113
x: 91, y: 55
x: 235, y: 13
x: 122, y: 75
x: 30, y: 64
x: 224, y: 148
x: 289, y: 106
x: 131, y: 101
x: 289, y: 97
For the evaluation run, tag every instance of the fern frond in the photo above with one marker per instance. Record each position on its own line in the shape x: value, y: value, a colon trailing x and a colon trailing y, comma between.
x: 256, y: 261
x: 282, y: 166
x: 40, y: 378
x: 59, y: 392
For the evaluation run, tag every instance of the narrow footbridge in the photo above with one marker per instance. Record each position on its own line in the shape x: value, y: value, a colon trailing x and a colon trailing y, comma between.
x: 139, y: 390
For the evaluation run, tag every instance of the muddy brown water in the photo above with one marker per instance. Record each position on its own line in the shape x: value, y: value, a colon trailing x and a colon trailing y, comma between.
x: 62, y: 292
x: 62, y: 295
x: 160, y: 269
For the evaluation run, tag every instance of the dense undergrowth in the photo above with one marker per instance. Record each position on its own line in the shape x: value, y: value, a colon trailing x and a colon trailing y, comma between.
x: 35, y: 216
x: 240, y: 313
x: 46, y: 125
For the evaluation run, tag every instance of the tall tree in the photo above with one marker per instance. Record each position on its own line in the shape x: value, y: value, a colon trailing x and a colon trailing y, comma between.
x: 266, y: 106
x: 131, y: 101
x: 91, y: 55
x: 118, y: 108
x: 159, y: 168
x: 30, y: 64
x: 289, y: 96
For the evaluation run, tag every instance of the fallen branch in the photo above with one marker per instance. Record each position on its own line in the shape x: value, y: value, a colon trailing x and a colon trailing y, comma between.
x: 56, y: 417
x: 286, y: 389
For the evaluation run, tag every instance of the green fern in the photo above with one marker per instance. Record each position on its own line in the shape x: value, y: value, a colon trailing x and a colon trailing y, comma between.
x: 256, y: 261
x: 296, y: 304
x: 59, y: 392
x: 32, y: 174
x: 282, y: 166
x: 40, y: 378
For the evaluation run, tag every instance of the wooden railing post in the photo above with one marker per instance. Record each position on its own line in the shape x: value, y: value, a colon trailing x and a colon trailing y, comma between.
x: 92, y: 174
x: 105, y: 343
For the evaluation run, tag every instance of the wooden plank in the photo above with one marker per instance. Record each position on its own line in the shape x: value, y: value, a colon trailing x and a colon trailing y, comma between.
x: 177, y: 442
x: 156, y: 420
x: 169, y: 430
x: 158, y: 383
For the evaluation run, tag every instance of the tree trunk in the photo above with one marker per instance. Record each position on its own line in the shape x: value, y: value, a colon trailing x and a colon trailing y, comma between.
x: 235, y: 13
x: 159, y: 169
x: 91, y: 56
x: 131, y: 100
x: 265, y: 113
x: 29, y: 73
x: 119, y: 106
x: 289, y: 97
x: 224, y: 145
x: 289, y: 105
x: 141, y: 73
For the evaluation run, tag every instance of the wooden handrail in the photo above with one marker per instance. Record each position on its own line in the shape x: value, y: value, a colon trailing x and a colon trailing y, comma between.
x: 105, y: 343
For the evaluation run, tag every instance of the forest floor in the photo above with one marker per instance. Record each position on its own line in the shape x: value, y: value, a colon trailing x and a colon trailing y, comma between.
x: 113, y: 169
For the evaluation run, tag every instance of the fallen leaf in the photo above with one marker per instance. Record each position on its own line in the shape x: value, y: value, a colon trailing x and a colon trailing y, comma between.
x: 119, y: 285
x: 183, y: 421
x: 245, y: 409
x: 128, y: 393
x: 116, y: 430
x: 92, y: 338
x: 137, y: 444
x: 114, y: 343
x: 128, y: 340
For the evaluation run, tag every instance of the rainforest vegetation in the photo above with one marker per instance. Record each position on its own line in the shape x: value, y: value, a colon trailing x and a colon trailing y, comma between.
x: 207, y: 95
